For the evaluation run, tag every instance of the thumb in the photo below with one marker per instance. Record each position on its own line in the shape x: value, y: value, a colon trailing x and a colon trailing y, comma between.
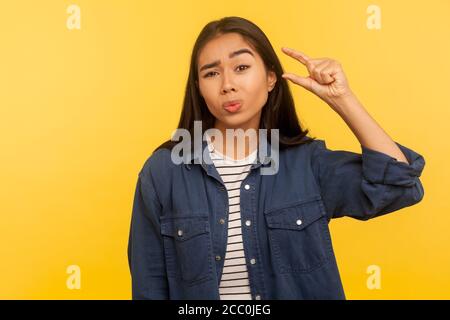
x: 306, y: 82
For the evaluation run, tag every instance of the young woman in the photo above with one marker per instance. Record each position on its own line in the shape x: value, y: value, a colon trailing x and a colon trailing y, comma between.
x: 219, y: 229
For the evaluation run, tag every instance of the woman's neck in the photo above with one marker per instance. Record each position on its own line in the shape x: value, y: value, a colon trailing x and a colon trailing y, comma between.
x: 238, y: 145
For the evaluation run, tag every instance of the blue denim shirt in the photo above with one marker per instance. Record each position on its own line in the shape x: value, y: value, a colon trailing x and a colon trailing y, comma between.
x: 177, y: 243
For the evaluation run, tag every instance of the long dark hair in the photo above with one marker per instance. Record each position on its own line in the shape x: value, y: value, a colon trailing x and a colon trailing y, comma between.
x: 279, y: 110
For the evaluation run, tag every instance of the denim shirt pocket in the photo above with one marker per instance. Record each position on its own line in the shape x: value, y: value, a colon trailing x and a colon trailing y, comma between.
x: 299, y: 237
x: 187, y: 248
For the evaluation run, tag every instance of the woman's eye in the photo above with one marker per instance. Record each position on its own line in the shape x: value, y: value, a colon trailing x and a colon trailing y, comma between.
x: 208, y: 74
x: 243, y: 65
x: 212, y: 72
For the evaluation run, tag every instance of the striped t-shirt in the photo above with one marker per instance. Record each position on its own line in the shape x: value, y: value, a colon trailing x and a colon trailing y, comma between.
x: 234, y: 283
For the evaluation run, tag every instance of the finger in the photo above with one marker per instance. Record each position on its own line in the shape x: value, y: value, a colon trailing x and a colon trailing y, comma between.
x: 300, y: 56
x: 306, y: 82
x: 318, y: 72
x: 329, y: 73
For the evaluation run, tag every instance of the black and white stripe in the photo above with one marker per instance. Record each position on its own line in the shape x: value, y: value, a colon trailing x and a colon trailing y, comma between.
x: 234, y: 283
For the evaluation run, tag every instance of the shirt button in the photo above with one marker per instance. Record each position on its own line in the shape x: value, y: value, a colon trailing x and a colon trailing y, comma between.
x: 180, y: 233
x: 248, y: 223
x: 247, y: 187
x: 299, y: 222
x: 218, y: 258
x: 258, y: 297
x: 222, y: 221
x: 253, y: 261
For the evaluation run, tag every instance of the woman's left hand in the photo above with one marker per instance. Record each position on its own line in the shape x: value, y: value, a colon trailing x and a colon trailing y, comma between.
x: 326, y: 78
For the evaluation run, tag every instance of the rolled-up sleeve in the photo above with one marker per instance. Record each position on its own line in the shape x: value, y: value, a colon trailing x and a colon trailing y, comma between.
x: 366, y: 185
x: 145, y: 245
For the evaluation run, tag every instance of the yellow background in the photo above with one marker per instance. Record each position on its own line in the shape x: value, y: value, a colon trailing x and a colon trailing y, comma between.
x: 81, y: 110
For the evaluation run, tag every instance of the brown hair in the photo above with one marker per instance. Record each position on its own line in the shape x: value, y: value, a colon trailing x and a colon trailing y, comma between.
x: 279, y: 110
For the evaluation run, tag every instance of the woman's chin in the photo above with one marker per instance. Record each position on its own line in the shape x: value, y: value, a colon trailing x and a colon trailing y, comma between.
x: 234, y: 122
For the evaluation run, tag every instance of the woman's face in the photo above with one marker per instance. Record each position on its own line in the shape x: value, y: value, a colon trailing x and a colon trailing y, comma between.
x: 241, y: 76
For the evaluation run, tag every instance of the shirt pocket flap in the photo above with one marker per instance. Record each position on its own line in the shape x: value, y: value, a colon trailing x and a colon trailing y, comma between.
x: 296, y: 216
x: 182, y: 229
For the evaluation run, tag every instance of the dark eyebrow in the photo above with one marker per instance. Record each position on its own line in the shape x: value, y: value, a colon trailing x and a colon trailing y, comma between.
x: 232, y: 55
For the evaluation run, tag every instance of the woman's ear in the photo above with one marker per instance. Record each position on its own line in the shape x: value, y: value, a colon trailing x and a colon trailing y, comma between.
x: 271, y: 80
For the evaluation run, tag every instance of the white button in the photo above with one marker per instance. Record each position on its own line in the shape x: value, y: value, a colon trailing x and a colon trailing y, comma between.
x: 180, y: 232
x: 252, y: 261
x: 248, y: 223
x: 247, y: 187
x: 299, y: 222
x: 258, y: 297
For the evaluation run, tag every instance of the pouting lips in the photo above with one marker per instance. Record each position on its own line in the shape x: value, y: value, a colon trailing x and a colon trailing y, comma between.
x: 232, y: 106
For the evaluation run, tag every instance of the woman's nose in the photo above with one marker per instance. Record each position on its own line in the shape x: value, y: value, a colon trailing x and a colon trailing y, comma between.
x: 227, y: 83
x: 228, y: 88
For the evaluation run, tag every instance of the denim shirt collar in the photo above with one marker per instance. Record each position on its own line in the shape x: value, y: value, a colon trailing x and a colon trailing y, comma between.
x: 196, y: 153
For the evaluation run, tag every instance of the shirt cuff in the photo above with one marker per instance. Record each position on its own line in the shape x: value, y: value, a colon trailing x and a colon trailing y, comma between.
x: 381, y: 168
